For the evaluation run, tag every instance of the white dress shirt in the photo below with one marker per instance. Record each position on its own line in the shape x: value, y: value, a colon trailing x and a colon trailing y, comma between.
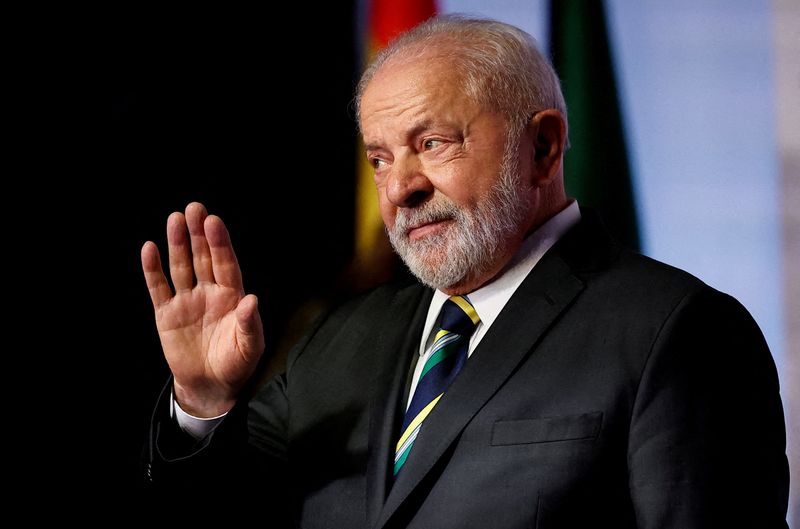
x: 488, y: 301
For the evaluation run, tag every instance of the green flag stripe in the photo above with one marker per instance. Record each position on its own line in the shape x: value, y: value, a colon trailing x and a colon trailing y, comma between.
x: 596, y: 169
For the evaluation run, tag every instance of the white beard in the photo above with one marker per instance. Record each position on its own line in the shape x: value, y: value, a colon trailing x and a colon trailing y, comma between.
x: 468, y: 246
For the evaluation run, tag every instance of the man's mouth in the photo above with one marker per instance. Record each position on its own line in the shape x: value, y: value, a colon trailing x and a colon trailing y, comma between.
x: 423, y: 229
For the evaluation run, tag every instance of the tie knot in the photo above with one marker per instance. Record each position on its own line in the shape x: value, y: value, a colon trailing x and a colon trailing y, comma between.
x: 459, y: 316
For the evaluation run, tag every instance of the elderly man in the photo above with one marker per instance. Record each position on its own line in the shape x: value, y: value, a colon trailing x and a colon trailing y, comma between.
x: 538, y: 375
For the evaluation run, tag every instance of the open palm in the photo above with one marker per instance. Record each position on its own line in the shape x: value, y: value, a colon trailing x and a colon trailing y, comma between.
x: 210, y: 331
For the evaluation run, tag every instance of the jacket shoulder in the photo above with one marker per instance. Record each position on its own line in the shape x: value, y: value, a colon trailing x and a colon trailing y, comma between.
x: 360, y: 315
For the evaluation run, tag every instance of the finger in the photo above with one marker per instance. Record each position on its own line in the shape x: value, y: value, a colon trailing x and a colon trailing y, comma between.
x: 250, y: 334
x: 223, y: 259
x: 180, y: 262
x: 201, y: 256
x: 157, y: 284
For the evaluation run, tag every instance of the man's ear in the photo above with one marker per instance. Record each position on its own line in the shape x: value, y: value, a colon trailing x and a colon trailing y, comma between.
x: 549, y: 133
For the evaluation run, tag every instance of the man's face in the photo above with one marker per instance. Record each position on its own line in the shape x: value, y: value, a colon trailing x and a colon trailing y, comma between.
x: 450, y: 192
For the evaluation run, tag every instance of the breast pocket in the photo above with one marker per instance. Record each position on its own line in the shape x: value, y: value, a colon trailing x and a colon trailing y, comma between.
x: 547, y: 429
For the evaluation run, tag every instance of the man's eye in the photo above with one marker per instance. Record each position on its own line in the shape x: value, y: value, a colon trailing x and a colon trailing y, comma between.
x: 376, y: 163
x: 430, y: 144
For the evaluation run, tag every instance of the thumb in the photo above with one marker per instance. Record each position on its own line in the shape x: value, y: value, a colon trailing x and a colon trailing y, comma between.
x: 249, y: 331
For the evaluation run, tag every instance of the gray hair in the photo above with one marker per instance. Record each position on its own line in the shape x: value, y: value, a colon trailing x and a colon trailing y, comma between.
x: 500, y: 65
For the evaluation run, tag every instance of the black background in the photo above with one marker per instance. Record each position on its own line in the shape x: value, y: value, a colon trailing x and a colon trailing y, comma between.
x: 250, y: 113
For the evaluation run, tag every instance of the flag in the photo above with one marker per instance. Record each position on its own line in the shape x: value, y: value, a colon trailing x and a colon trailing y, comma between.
x: 596, y: 167
x: 374, y: 261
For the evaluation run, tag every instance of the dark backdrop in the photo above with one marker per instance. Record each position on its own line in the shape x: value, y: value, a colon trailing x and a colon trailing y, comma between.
x: 250, y: 113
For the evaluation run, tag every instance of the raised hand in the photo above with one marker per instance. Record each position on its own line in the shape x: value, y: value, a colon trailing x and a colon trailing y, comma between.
x: 210, y: 331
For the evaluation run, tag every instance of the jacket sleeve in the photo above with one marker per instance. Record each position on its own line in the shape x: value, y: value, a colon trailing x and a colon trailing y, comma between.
x: 243, y: 459
x: 707, y: 439
x: 246, y: 457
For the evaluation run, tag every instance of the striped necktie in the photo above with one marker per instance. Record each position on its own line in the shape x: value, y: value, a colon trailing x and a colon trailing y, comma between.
x: 449, y: 352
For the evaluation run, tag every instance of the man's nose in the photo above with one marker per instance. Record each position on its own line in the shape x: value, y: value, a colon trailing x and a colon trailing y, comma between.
x: 408, y: 185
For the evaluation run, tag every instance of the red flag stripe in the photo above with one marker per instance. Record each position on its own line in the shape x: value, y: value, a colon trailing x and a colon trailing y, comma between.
x: 388, y: 18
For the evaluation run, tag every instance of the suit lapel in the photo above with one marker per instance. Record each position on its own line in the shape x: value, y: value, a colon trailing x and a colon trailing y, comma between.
x: 395, y: 349
x: 542, y: 296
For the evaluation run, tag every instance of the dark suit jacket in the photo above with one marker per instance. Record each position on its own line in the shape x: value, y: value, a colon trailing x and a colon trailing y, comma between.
x: 612, y: 391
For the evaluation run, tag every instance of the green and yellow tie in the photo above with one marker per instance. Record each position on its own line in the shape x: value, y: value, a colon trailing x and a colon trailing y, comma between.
x: 457, y: 323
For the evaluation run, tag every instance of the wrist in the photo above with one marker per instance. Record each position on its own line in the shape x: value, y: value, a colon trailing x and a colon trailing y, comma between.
x: 202, y: 404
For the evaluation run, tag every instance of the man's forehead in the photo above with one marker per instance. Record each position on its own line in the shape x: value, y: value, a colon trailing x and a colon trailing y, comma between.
x: 432, y: 55
x: 401, y: 82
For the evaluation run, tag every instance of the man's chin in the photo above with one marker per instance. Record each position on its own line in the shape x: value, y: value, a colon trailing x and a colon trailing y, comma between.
x: 427, y: 266
x: 435, y: 276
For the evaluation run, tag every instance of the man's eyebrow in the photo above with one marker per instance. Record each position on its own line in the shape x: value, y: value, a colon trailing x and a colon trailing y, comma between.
x: 418, y: 128
x: 413, y: 132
